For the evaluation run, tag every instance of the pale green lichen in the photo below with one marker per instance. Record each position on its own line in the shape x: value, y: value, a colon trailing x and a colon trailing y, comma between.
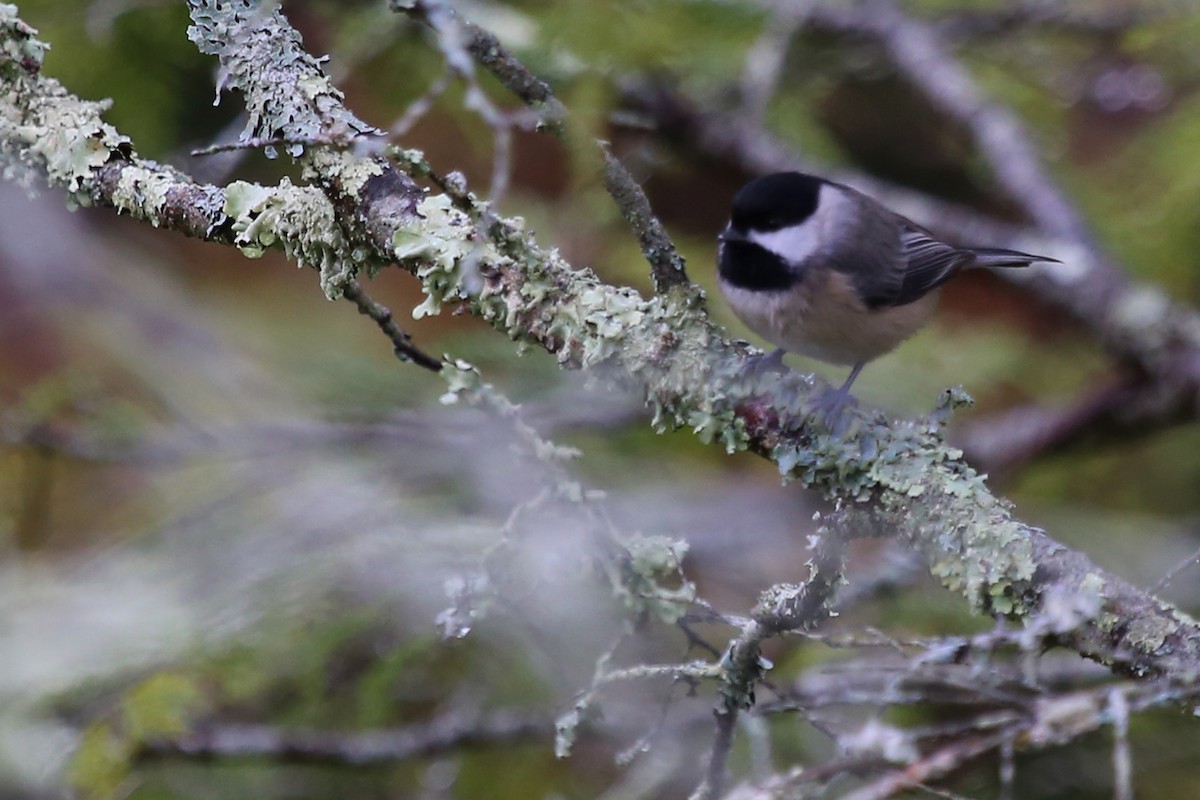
x: 664, y: 340
x: 462, y: 381
x: 348, y: 171
x: 1150, y: 634
x: 438, y: 242
x: 20, y: 49
x: 905, y: 476
x: 299, y: 219
x: 143, y: 192
x: 652, y: 562
x: 46, y: 131
x: 287, y: 96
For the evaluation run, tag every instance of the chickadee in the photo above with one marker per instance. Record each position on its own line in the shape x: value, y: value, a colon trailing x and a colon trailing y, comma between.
x: 817, y: 268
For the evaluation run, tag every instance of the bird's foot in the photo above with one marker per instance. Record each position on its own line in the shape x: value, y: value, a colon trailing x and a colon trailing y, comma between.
x: 831, y: 407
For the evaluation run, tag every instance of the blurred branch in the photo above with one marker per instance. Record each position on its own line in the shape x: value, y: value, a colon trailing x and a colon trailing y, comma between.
x: 912, y: 757
x: 439, y: 736
x: 1038, y: 14
x: 1124, y: 409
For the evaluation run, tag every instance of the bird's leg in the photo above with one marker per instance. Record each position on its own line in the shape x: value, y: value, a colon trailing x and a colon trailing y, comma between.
x: 830, y: 404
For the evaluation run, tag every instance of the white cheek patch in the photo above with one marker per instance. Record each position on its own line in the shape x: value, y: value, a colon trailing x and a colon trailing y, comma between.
x: 793, y: 243
x: 797, y: 242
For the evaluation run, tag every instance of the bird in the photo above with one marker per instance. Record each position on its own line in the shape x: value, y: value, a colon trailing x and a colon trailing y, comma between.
x: 818, y: 268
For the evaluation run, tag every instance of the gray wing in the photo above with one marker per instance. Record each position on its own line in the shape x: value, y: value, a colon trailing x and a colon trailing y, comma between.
x: 871, y: 253
x: 930, y: 263
x: 894, y: 260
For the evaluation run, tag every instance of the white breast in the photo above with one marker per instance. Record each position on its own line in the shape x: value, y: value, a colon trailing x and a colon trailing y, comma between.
x: 822, y: 317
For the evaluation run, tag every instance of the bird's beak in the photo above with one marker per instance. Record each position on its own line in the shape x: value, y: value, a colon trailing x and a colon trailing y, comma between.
x: 731, y: 235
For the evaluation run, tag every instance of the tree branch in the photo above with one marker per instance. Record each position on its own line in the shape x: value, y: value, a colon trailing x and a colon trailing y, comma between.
x: 401, y: 342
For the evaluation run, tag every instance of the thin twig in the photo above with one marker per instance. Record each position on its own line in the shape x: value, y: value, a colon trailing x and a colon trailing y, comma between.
x: 402, y: 344
x: 931, y: 767
x: 334, y: 139
x: 1165, y: 581
x: 516, y: 77
x: 779, y: 610
x: 420, y: 107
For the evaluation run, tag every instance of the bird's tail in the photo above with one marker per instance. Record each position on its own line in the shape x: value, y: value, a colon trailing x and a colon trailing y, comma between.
x: 998, y: 257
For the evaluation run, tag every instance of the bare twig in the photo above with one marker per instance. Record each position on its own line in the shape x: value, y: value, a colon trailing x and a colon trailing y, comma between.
x: 931, y: 767
x: 420, y: 107
x: 334, y: 139
x: 1187, y: 563
x: 401, y: 342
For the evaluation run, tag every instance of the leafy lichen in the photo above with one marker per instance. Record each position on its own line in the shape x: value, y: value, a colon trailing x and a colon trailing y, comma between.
x: 287, y: 96
x: 20, y: 49
x: 299, y: 219
x: 45, y: 130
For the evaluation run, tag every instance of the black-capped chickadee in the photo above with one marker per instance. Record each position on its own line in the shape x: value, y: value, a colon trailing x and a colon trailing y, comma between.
x: 815, y: 267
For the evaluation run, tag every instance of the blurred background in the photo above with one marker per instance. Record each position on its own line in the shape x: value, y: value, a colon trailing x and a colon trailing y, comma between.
x: 226, y: 508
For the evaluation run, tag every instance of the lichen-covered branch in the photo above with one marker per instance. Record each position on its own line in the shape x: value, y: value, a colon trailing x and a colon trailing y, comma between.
x: 287, y: 94
x: 781, y: 609
x: 900, y: 475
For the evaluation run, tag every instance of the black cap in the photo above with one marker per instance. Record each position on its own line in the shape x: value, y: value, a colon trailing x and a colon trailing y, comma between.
x: 775, y: 201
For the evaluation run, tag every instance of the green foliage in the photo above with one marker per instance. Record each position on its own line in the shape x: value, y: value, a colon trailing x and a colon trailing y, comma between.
x: 135, y: 58
x: 701, y: 41
x: 101, y: 763
x: 163, y: 705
